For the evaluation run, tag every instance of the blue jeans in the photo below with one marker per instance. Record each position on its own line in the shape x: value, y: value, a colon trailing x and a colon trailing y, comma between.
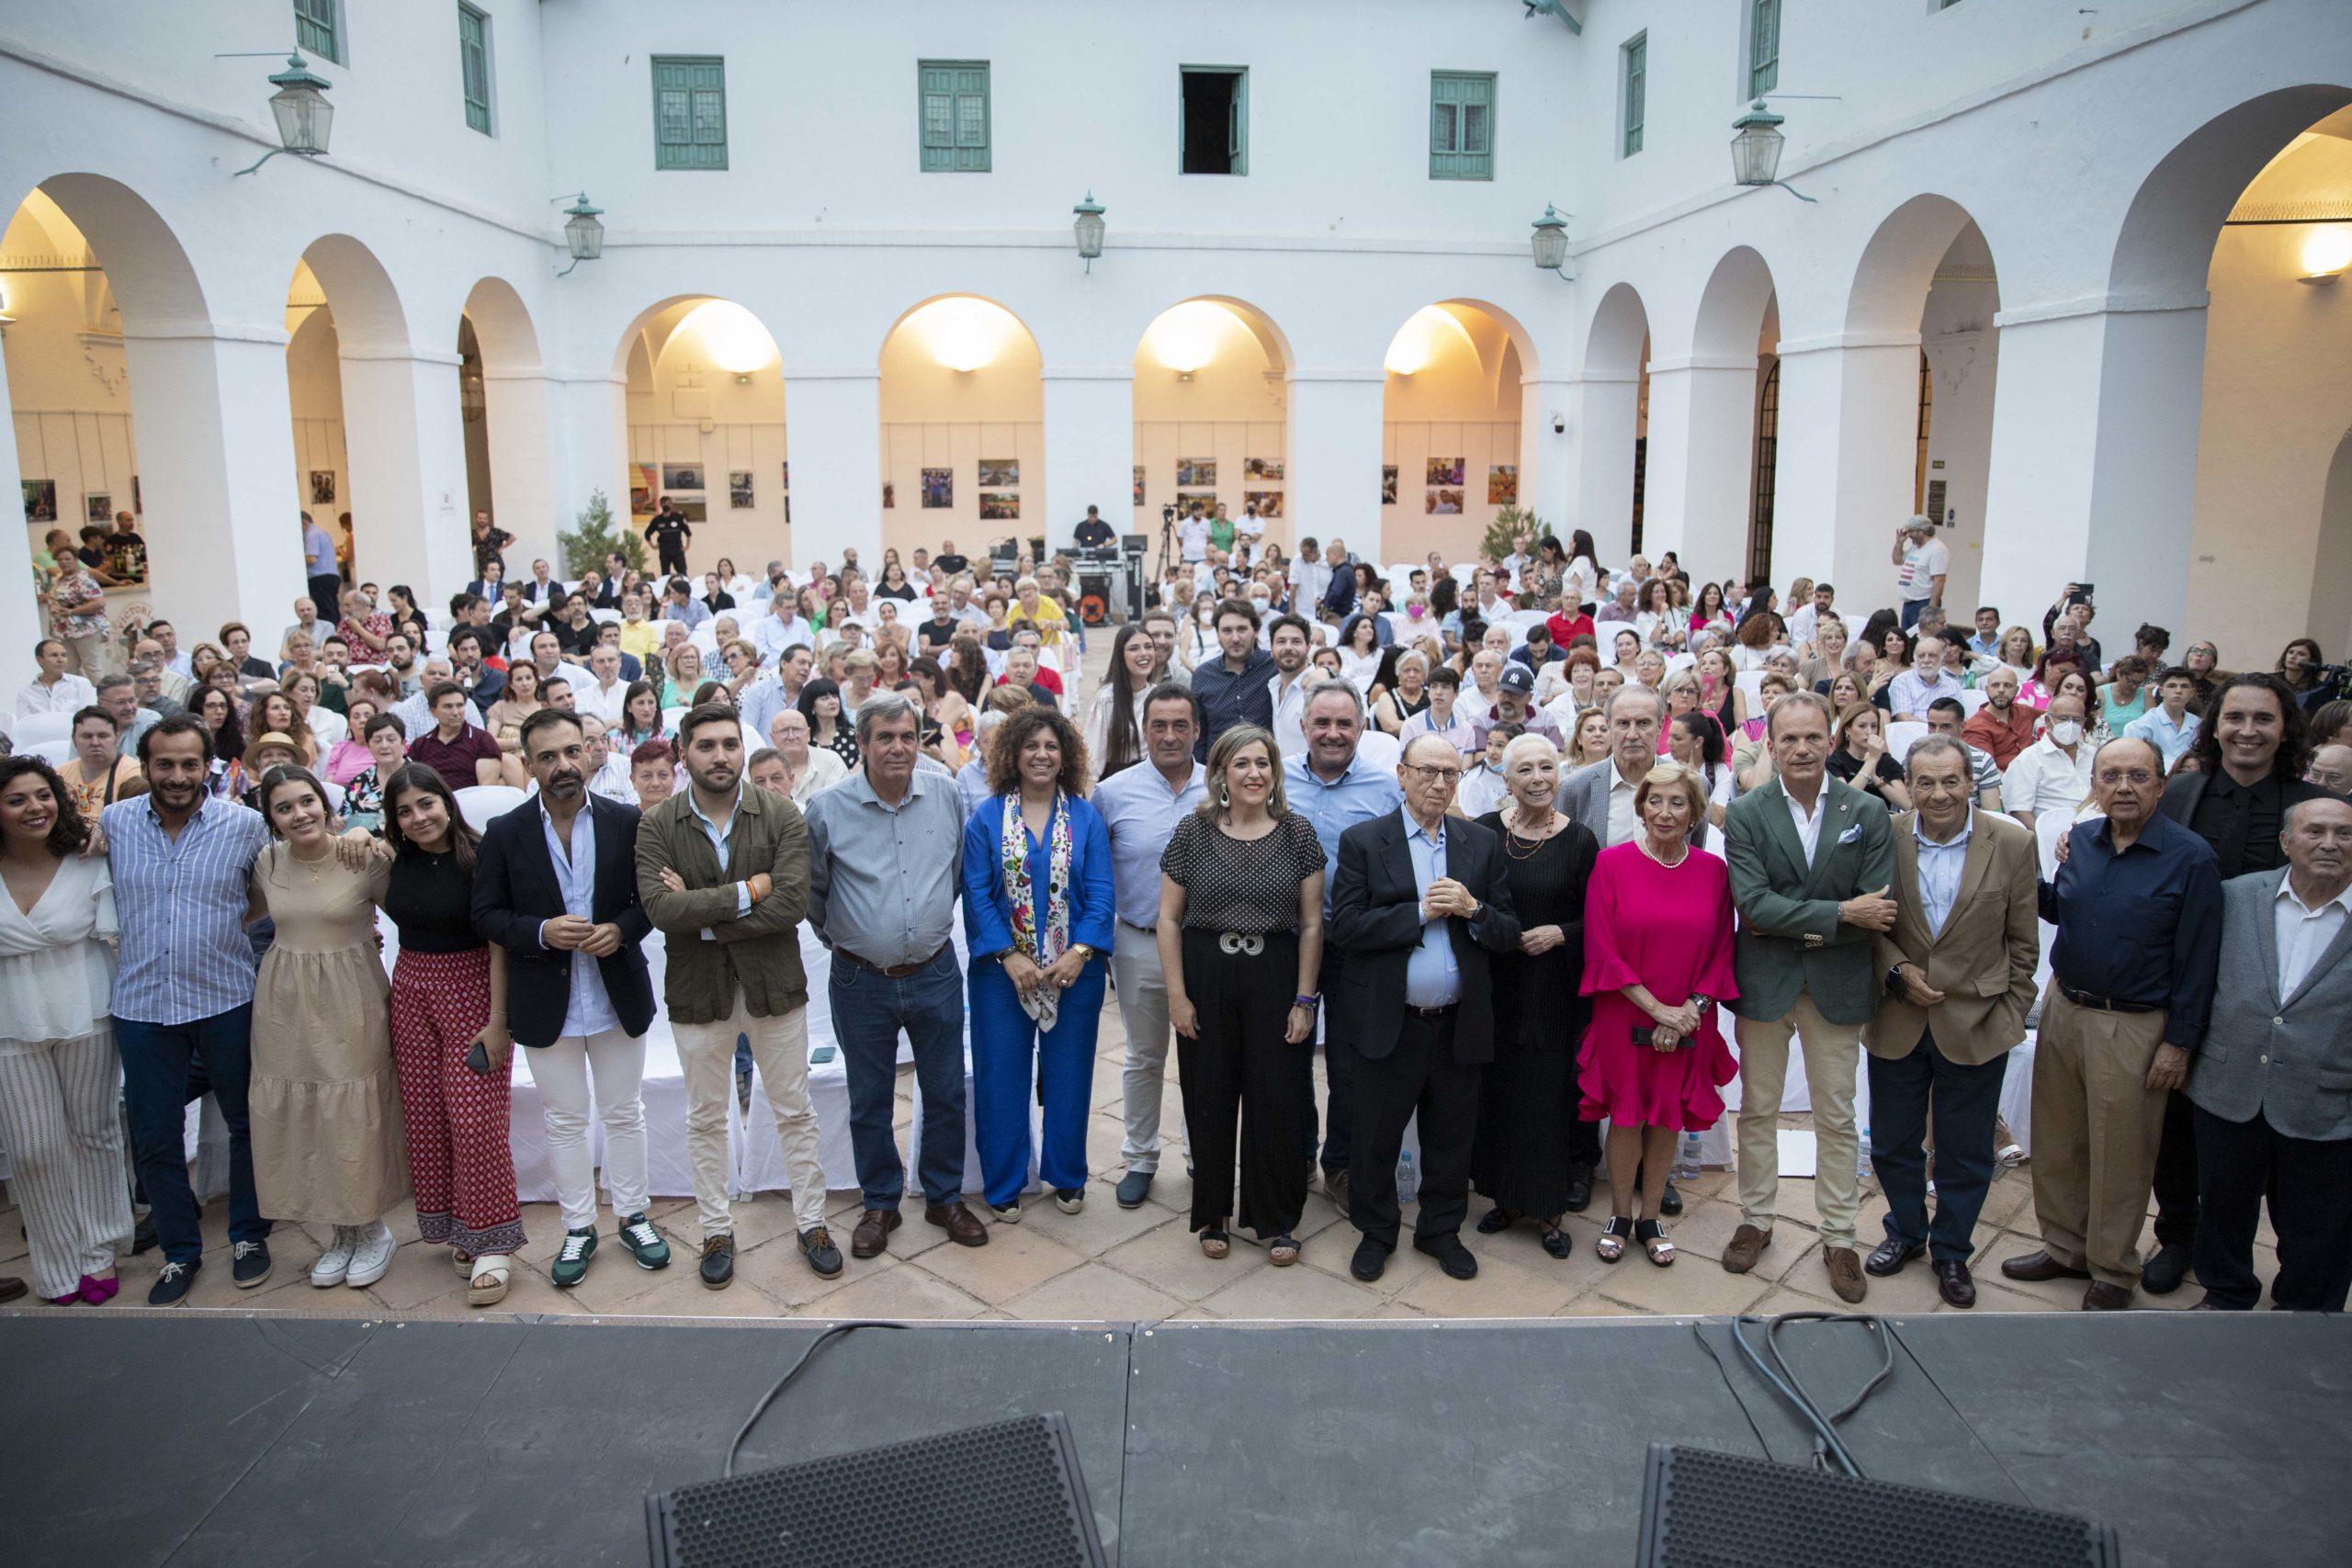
x: 1008, y: 1055
x: 869, y: 1011
x: 1911, y: 609
x: 156, y: 1059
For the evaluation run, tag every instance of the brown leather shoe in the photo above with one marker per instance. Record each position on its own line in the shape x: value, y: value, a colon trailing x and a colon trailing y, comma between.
x: 1846, y: 1273
x: 961, y: 1225
x: 872, y: 1236
x: 1746, y: 1245
x: 2040, y: 1266
x: 1953, y: 1283
x: 2103, y: 1297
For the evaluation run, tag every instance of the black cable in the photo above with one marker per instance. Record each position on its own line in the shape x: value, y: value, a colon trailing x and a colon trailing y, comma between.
x: 1698, y: 1332
x: 797, y: 1367
x: 1824, y: 1439
x: 1829, y: 1447
x: 1886, y: 1344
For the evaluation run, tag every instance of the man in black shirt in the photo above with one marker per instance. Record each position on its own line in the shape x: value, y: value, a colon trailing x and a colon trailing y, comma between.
x: 948, y: 561
x: 939, y: 630
x: 1233, y: 690
x: 668, y: 533
x: 1094, y: 534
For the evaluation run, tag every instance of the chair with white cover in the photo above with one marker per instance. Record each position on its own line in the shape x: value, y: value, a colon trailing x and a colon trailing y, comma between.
x: 704, y: 640
x: 480, y: 804
x: 669, y: 717
x: 329, y: 725
x: 606, y: 617
x: 1970, y: 701
x: 56, y: 753
x: 1901, y: 735
x: 1854, y: 625
x: 1681, y: 661
x: 1378, y: 748
x: 1752, y: 682
x: 36, y: 728
x: 335, y: 796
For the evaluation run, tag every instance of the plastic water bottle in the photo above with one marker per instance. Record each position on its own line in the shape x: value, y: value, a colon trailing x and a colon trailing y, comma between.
x: 1686, y: 1160
x: 1863, y: 1155
x: 1406, y: 1182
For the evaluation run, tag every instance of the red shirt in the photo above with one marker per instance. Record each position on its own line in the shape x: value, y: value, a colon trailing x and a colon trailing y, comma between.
x: 455, y: 760
x: 1565, y: 628
x: 2002, y: 742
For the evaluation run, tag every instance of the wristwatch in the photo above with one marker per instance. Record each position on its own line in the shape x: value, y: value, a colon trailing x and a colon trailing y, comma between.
x: 1701, y: 1002
x: 1895, y: 980
x: 1085, y: 954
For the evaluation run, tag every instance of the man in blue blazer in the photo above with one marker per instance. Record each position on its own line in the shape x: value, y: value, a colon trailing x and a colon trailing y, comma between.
x: 555, y: 885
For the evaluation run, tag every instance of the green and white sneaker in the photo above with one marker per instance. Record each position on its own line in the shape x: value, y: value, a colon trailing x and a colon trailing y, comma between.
x: 644, y: 1243
x: 571, y: 1261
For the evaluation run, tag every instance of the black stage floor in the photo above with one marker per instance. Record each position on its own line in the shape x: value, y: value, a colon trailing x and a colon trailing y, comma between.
x: 197, y: 1439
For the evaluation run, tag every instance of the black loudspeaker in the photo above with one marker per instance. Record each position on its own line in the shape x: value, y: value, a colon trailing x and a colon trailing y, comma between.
x: 1009, y: 1494
x: 1094, y: 596
x: 1703, y: 1507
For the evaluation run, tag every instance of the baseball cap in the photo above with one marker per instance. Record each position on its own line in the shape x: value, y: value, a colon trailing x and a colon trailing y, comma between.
x: 1516, y: 677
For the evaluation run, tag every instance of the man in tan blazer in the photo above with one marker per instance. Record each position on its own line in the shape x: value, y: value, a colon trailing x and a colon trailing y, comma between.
x: 1958, y: 971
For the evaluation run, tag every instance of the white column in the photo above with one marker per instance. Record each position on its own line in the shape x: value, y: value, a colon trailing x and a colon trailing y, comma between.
x: 1604, y: 420
x: 1333, y: 472
x: 1848, y: 455
x: 1959, y: 438
x: 216, y: 445
x: 526, y: 478
x: 1703, y: 440
x: 1546, y: 457
x: 404, y: 436
x: 587, y: 451
x: 2094, y: 463
x: 1090, y: 449
x: 19, y: 607
x: 836, y: 465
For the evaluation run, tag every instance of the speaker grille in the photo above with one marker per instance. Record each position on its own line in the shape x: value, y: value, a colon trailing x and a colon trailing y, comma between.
x: 1705, y: 1509
x: 1010, y: 1492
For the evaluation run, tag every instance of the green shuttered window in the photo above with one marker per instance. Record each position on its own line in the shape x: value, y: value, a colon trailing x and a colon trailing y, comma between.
x: 1461, y: 125
x: 1636, y: 88
x: 952, y: 97
x: 1763, y: 46
x: 689, y: 111
x: 473, y: 57
x: 314, y: 28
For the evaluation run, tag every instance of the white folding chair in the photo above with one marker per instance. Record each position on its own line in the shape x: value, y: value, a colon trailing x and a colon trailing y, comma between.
x: 479, y: 804
x: 56, y: 753
x: 1970, y: 701
x: 1902, y: 735
x: 34, y: 728
x: 1752, y: 682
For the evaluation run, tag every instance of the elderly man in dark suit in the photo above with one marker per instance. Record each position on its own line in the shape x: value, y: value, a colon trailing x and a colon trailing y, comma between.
x: 1419, y: 902
x: 555, y: 885
x: 2272, y: 1083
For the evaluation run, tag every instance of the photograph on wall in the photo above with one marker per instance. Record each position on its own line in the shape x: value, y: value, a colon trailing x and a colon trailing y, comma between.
x: 322, y: 487
x: 738, y: 490
x: 1196, y: 471
x: 1262, y: 469
x: 938, y: 488
x: 1206, y: 498
x: 999, y: 506
x: 999, y: 473
x: 1269, y: 503
x: 889, y: 499
x: 1445, y: 471
x: 681, y: 476
x: 787, y: 511
x: 643, y: 477
x: 97, y: 506
x: 1443, y: 503
x: 41, y: 501
x: 138, y: 503
x: 1388, y: 484
x: 1138, y: 484
x: 1502, y: 485
x: 694, y: 510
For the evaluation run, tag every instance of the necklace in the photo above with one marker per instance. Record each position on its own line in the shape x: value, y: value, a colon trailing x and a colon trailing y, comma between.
x: 1644, y: 841
x: 306, y: 862
x: 1511, y: 840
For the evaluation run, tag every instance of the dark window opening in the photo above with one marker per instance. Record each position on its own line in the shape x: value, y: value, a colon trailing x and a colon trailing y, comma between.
x: 1212, y: 125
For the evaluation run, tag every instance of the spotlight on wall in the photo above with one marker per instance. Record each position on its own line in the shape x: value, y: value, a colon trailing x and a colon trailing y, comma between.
x: 582, y: 235
x: 305, y: 118
x: 2326, y: 253
x: 1755, y: 148
x: 1089, y: 229
x: 1550, y: 241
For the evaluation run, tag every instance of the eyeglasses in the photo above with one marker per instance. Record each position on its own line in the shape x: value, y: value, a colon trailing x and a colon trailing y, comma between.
x: 1434, y: 775
x: 2126, y: 775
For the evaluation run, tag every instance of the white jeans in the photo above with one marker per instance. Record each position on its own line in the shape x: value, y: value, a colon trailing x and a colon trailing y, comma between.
x: 561, y: 1071
x: 780, y: 1047
x: 1143, y: 1011
x: 60, y: 1125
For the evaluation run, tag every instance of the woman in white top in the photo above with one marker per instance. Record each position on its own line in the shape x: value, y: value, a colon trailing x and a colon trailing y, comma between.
x: 1360, y: 651
x: 1133, y: 657
x: 59, y: 1079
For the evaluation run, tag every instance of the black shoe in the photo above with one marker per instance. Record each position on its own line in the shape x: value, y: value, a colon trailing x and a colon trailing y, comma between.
x: 717, y: 1268
x: 824, y: 1257
x: 1496, y: 1221
x: 172, y: 1285
x: 1451, y: 1254
x: 1671, y: 1204
x: 142, y: 1236
x: 1579, y: 1189
x: 1953, y: 1283
x: 1890, y: 1256
x: 2166, y: 1269
x: 1134, y: 1187
x: 1370, y: 1261
x: 251, y: 1264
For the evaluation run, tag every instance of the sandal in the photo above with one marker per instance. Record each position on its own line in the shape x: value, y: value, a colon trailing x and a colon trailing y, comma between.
x: 1282, y: 1251
x: 1214, y: 1242
x: 463, y: 1259
x: 487, y: 1283
x: 1611, y: 1244
x: 1558, y: 1243
x: 1651, y: 1236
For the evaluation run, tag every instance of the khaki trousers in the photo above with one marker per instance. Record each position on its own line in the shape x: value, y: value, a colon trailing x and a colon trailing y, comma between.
x: 780, y: 1047
x: 1143, y: 1009
x: 2096, y: 1127
x: 1833, y: 1053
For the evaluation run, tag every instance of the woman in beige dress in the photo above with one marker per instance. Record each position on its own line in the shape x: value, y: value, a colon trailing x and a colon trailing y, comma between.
x: 325, y: 1101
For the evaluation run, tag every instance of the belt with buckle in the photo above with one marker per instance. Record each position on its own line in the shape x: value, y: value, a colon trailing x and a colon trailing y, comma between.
x: 1241, y: 941
x: 2103, y: 1004
x: 1148, y: 931
x: 1448, y: 1010
x: 894, y: 972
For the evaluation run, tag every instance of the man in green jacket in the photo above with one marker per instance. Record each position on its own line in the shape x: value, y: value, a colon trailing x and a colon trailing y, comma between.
x: 722, y: 869
x: 1811, y: 868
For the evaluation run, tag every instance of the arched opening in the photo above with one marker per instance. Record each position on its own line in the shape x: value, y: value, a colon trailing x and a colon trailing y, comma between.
x: 963, y: 429
x: 1211, y: 417
x: 503, y: 403
x: 1701, y: 456
x: 1451, y: 429
x: 706, y: 414
x: 314, y: 392
x: 1611, y: 426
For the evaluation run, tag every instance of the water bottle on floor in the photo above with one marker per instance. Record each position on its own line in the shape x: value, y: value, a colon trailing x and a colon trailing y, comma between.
x: 1686, y: 1159
x: 1862, y: 1155
x: 1406, y: 1184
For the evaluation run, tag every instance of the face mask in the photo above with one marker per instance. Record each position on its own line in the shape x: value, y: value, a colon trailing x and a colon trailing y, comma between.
x: 2066, y: 731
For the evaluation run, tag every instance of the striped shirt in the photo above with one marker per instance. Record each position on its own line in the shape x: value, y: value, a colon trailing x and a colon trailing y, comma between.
x: 182, y: 904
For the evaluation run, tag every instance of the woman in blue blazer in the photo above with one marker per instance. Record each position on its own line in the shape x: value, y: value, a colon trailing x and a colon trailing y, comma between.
x: 1037, y: 916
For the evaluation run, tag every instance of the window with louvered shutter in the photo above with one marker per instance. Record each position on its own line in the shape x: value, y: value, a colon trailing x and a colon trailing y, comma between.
x: 473, y: 59
x: 952, y: 97
x: 316, y: 29
x: 1636, y: 90
x: 1462, y: 112
x: 689, y: 111
x: 1763, y: 46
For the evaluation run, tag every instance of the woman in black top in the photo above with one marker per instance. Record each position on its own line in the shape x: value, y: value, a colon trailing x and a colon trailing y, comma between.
x: 1240, y: 916
x: 1535, y: 1154
x: 1861, y: 760
x: 448, y: 1000
x: 820, y: 704
x: 894, y: 584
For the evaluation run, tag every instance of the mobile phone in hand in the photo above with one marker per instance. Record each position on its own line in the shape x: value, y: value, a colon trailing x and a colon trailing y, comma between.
x: 1643, y: 1034
x: 478, y: 1058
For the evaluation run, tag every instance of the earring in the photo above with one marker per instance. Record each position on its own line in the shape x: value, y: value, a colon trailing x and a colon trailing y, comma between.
x: 1224, y: 796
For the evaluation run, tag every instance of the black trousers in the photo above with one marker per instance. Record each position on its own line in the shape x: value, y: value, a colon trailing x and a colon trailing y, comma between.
x: 1242, y: 1066
x: 326, y: 592
x: 2310, y: 1184
x: 1338, y: 1069
x: 2176, y: 1173
x: 1421, y: 1076
x: 1965, y: 1103
x: 673, y: 558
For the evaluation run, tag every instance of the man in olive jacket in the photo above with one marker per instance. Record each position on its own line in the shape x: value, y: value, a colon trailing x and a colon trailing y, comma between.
x: 722, y: 869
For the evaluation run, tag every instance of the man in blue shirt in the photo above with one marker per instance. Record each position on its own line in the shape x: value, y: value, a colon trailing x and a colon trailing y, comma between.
x: 1233, y: 690
x: 319, y: 566
x: 2138, y: 907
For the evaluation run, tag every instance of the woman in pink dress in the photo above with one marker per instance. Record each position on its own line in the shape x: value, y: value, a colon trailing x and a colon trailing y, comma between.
x: 1657, y: 957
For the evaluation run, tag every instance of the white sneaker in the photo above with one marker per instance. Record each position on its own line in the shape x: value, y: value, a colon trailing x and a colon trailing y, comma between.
x: 334, y: 1264
x: 371, y: 1253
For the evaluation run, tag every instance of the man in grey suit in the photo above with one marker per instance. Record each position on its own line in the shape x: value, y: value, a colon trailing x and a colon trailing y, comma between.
x: 1811, y: 866
x: 2272, y: 1083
